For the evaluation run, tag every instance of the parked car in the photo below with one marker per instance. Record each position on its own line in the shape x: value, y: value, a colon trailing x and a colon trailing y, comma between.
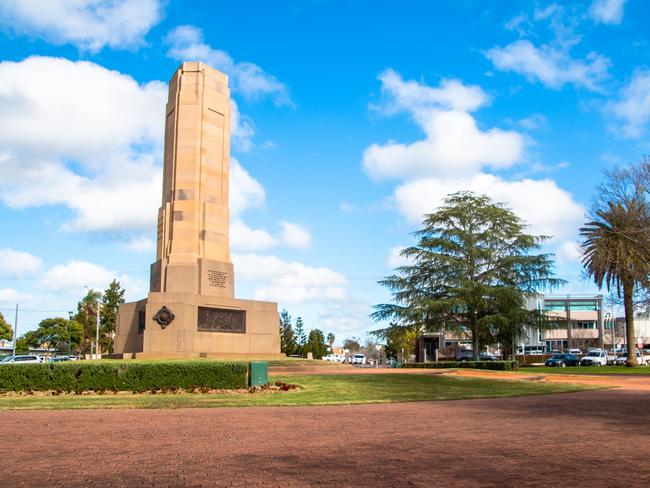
x: 333, y: 357
x: 358, y: 359
x: 562, y: 360
x: 621, y: 360
x: 577, y: 352
x: 468, y: 355
x: 595, y: 357
x: 391, y: 362
x: 26, y: 358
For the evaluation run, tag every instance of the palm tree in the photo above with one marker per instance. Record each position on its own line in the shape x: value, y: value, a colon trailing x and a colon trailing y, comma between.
x: 616, y: 252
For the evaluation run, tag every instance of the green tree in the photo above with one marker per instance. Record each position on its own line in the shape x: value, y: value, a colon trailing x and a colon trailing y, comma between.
x: 473, y: 267
x: 6, y: 332
x: 29, y: 340
x: 301, y: 337
x: 52, y: 333
x: 330, y: 340
x: 87, y: 316
x: 287, y: 337
x: 111, y: 300
x: 352, y: 345
x: 615, y: 243
x: 400, y: 339
x: 316, y: 344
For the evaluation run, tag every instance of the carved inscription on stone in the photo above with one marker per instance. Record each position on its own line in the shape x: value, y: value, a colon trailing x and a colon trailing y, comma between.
x: 217, y: 278
x: 221, y: 320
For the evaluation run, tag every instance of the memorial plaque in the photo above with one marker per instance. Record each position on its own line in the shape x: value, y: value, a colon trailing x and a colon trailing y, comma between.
x: 221, y: 320
x: 217, y: 278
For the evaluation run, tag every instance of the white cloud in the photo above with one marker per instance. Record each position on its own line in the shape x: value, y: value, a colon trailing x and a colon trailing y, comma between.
x: 548, y: 209
x: 139, y: 244
x: 246, y: 192
x: 295, y: 236
x: 9, y: 295
x: 244, y: 238
x: 633, y: 105
x: 73, y: 276
x: 568, y: 252
x: 88, y: 24
x: 607, y: 11
x: 241, y: 128
x: 395, y: 260
x: 552, y: 66
x: 17, y: 263
x: 412, y: 96
x: 454, y: 144
x: 56, y: 108
x: 289, y: 282
x: 252, y: 82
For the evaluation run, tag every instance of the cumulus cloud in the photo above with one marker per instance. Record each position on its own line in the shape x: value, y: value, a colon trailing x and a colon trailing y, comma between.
x: 395, y: 260
x: 411, y: 96
x: 252, y: 82
x: 607, y: 11
x: 633, y: 105
x: 289, y: 282
x: 552, y: 66
x: 88, y: 24
x: 244, y: 238
x: 17, y: 263
x: 56, y: 108
x: 9, y: 295
x: 246, y: 192
x: 548, y: 209
x: 454, y: 142
x: 73, y: 276
x: 139, y: 244
x: 241, y: 128
x: 568, y: 252
x: 295, y: 236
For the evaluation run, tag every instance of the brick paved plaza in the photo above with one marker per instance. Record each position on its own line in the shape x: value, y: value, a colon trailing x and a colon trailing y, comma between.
x: 588, y: 438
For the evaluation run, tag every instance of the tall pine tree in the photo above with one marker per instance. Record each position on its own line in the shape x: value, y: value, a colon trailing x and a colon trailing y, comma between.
x: 111, y: 300
x: 301, y: 337
x: 287, y: 337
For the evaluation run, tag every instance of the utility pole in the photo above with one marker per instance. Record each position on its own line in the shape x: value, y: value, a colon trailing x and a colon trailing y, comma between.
x: 69, y: 332
x: 97, y: 332
x: 15, y: 331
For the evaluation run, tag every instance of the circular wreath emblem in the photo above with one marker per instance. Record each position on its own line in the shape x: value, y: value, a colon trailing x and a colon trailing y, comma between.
x: 164, y: 317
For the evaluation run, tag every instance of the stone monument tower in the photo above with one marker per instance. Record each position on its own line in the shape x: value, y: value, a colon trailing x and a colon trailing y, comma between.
x: 191, y: 309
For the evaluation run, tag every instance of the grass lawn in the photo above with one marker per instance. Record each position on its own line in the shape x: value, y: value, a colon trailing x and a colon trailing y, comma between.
x: 642, y: 370
x: 314, y: 390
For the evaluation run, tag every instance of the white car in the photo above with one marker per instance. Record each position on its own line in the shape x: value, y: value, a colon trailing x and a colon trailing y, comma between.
x: 577, y: 352
x: 23, y: 359
x: 337, y: 358
x: 595, y: 357
x: 621, y: 360
x: 358, y: 359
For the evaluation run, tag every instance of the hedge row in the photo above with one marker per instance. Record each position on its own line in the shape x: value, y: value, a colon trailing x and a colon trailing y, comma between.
x: 122, y: 376
x: 497, y: 365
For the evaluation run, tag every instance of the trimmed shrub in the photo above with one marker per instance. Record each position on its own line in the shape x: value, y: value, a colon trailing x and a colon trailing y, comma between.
x: 495, y: 365
x: 123, y: 376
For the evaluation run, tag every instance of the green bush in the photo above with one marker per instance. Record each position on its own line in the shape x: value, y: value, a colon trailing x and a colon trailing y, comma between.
x: 496, y: 365
x: 122, y: 376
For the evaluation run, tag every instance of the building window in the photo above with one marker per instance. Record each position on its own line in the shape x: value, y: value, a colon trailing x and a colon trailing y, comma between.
x: 141, y: 321
x: 583, y: 325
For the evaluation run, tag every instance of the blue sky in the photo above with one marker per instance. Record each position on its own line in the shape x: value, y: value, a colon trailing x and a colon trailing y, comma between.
x: 353, y: 119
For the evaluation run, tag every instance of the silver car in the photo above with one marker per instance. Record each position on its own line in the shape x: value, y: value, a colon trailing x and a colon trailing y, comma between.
x: 22, y: 359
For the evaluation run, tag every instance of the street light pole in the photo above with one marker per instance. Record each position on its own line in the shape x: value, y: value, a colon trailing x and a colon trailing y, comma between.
x: 97, y: 332
x: 69, y: 332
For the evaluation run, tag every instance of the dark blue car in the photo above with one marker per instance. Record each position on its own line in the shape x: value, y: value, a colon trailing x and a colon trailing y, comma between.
x: 562, y: 360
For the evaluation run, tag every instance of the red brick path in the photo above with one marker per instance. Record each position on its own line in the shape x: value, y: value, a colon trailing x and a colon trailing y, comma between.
x: 582, y: 439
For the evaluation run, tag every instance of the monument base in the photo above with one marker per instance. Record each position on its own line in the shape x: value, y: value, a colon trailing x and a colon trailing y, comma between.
x: 180, y: 325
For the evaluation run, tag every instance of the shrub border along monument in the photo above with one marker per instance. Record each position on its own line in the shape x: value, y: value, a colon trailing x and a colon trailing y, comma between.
x: 191, y: 310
